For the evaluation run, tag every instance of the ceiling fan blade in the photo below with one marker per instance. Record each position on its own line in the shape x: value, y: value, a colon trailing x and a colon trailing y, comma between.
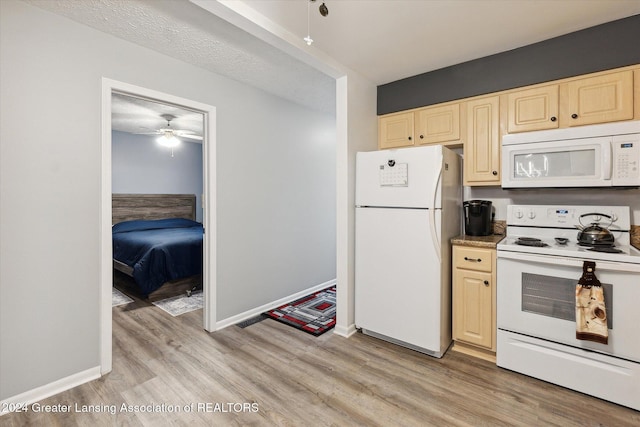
x: 186, y: 135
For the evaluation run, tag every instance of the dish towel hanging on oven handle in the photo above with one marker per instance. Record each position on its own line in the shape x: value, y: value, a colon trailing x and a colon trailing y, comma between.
x: 591, y: 314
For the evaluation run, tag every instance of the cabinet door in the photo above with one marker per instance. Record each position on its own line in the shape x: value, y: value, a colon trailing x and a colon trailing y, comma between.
x: 473, y: 307
x: 533, y: 109
x: 606, y: 98
x: 395, y: 130
x: 438, y: 124
x: 482, y: 145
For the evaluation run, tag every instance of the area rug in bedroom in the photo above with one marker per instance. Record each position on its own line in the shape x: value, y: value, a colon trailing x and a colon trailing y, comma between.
x: 181, y: 304
x: 315, y: 313
x: 118, y: 298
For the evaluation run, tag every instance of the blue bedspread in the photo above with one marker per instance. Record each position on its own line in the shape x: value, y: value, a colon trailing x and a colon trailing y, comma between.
x: 159, y: 250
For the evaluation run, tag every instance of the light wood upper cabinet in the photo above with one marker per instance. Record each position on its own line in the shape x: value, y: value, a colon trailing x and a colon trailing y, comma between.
x: 474, y: 296
x: 533, y: 109
x: 482, y: 144
x: 395, y: 130
x: 430, y: 125
x: 438, y: 124
x: 600, y: 99
x: 577, y: 102
x: 479, y: 122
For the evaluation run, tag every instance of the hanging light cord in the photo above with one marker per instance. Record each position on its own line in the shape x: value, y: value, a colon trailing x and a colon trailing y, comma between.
x: 324, y: 11
x: 308, y: 39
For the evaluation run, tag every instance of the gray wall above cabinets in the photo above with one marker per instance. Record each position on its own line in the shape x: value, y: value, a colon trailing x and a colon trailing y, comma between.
x: 603, y: 47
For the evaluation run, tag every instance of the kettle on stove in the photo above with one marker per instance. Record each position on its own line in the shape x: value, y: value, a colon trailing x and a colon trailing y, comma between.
x: 594, y: 234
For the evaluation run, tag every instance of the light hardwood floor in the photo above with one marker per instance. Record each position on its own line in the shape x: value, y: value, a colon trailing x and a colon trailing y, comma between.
x: 295, y: 379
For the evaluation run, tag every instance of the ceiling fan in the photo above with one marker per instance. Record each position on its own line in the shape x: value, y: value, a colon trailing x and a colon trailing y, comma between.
x: 169, y: 136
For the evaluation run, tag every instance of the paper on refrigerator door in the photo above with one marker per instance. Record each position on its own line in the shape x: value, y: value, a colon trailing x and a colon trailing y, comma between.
x: 396, y: 175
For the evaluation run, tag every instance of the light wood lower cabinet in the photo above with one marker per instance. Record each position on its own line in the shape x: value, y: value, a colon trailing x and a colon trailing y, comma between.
x: 474, y: 298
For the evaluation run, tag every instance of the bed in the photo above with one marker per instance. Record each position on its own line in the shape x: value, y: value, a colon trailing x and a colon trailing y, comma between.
x: 156, y: 241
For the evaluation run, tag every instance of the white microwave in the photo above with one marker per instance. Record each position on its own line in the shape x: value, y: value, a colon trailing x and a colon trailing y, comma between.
x: 589, y: 156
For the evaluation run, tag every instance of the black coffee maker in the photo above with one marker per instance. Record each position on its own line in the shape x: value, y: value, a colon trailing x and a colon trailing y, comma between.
x: 477, y: 217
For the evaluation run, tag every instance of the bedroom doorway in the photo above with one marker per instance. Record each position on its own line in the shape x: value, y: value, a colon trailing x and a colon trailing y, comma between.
x: 204, y: 212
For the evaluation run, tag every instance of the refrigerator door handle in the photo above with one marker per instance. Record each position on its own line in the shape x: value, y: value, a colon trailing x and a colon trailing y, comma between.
x: 435, y: 239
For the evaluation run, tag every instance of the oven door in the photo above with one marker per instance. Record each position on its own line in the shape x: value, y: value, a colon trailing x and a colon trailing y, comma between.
x: 575, y: 163
x: 536, y: 297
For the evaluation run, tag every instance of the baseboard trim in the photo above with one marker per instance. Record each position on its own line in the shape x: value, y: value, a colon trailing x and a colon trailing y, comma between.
x: 345, y: 331
x: 474, y: 351
x: 48, y: 390
x: 269, y: 306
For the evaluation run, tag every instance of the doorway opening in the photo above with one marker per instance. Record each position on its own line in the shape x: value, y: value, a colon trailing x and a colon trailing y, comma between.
x: 206, y: 205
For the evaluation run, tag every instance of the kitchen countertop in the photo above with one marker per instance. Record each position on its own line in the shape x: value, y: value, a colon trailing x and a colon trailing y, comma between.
x: 489, y: 242
x: 499, y: 233
x: 635, y: 236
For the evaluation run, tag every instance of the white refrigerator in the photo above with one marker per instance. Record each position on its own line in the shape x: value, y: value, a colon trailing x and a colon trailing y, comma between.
x: 408, y: 206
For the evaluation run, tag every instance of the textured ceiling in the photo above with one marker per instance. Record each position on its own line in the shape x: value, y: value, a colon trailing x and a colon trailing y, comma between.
x: 141, y: 116
x: 383, y: 40
x: 182, y: 30
x: 388, y: 40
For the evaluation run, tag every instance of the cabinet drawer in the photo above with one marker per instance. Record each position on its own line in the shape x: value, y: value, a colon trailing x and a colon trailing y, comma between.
x: 472, y: 258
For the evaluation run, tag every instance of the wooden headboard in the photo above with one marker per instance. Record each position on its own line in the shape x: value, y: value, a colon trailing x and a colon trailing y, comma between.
x: 126, y: 207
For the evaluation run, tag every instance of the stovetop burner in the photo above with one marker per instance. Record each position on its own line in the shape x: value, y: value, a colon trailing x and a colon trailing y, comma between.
x: 548, y: 230
x: 605, y: 249
x: 596, y: 245
x: 530, y: 241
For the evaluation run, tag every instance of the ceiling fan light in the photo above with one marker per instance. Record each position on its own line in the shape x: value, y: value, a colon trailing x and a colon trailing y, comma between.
x: 168, y: 141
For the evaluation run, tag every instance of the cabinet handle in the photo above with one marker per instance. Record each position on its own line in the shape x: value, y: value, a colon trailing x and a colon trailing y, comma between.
x: 553, y: 119
x: 574, y: 116
x: 472, y: 259
x: 495, y: 173
x: 409, y: 138
x: 486, y: 283
x: 421, y: 136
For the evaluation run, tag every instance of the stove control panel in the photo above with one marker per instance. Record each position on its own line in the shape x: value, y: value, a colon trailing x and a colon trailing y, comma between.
x: 560, y: 216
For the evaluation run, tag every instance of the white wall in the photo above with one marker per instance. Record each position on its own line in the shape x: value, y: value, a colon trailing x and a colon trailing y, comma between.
x: 357, y: 131
x: 276, y: 198
x: 141, y: 165
x: 276, y: 193
x: 585, y: 196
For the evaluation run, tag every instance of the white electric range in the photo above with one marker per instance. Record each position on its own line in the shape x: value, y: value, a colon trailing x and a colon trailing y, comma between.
x: 536, y: 301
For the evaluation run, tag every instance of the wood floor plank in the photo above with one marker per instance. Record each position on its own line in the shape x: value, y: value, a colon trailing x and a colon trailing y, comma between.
x: 286, y: 377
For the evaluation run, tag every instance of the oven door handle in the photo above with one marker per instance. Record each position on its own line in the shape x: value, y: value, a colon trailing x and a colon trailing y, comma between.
x: 572, y: 262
